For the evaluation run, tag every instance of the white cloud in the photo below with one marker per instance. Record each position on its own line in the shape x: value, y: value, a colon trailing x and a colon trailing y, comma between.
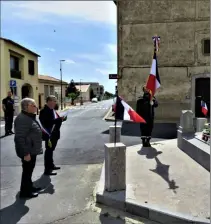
x: 49, y: 49
x: 112, y: 48
x: 100, y: 11
x: 69, y: 61
x: 91, y: 57
x: 102, y: 71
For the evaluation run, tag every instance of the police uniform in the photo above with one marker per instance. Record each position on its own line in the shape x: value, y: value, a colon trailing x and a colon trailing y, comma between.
x: 8, y: 102
x: 146, y: 110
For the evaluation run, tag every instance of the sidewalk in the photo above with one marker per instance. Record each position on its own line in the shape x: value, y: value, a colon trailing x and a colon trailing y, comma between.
x: 163, y: 184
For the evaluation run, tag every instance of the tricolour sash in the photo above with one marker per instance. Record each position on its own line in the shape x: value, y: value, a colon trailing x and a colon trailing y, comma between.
x: 44, y: 129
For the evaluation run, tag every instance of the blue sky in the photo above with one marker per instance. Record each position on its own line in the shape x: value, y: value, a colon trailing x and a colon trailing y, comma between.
x: 85, y: 36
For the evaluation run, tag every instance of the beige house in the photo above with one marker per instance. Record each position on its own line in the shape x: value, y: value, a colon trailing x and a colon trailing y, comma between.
x: 50, y: 86
x: 85, y: 92
x: 183, y: 60
x: 18, y: 72
x: 96, y: 89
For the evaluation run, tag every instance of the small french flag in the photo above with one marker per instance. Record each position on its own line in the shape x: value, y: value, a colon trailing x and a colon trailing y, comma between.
x: 204, y: 108
x: 153, y: 82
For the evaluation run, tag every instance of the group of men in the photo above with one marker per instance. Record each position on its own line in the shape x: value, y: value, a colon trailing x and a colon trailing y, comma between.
x: 29, y: 134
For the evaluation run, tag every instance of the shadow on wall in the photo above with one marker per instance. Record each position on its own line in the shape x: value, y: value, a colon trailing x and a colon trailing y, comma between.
x: 161, y: 130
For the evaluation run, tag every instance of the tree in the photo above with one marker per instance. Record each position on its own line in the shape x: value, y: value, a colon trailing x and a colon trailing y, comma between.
x: 108, y: 95
x: 72, y: 92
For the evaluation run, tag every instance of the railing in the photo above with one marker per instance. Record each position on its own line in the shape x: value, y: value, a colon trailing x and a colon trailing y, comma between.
x: 15, y: 74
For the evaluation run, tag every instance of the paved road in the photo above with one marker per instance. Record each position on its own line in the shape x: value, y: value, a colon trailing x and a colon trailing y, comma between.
x: 67, y: 196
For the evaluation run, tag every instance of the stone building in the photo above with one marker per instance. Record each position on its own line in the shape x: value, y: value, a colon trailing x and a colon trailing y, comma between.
x: 183, y: 59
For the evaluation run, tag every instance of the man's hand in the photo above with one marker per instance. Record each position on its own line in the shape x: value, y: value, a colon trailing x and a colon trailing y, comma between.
x: 27, y: 158
x: 64, y: 118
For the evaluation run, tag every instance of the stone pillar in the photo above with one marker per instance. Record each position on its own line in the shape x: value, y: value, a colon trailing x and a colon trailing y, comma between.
x: 186, y: 126
x: 200, y: 122
x: 115, y: 167
x: 112, y: 133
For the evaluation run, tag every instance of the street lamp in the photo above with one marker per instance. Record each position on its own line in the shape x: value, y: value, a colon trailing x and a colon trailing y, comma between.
x: 80, y: 93
x: 61, y: 83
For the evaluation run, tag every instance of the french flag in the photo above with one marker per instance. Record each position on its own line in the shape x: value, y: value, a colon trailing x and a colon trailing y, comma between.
x: 124, y: 112
x: 204, y: 108
x: 153, y: 82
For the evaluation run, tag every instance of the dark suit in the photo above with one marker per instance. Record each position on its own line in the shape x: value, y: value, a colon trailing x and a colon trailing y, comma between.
x: 8, y: 113
x: 146, y: 110
x: 49, y: 122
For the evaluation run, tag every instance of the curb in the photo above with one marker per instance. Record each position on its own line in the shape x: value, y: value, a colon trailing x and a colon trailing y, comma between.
x: 106, y: 116
x: 117, y: 200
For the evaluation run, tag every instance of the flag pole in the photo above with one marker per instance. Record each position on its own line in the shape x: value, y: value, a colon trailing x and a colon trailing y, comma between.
x: 115, y: 120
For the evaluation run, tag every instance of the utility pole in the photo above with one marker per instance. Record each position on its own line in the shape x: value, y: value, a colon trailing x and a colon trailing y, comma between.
x: 81, y: 102
x: 61, y: 83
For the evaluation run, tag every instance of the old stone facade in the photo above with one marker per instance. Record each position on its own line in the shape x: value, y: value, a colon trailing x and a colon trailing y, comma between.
x: 184, y: 56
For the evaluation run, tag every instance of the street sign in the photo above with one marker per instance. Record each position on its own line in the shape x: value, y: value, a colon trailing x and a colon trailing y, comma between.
x: 13, y: 83
x: 113, y: 76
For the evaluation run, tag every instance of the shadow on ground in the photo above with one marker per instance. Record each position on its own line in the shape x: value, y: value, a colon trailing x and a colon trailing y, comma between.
x: 13, y: 213
x: 161, y: 169
x: 161, y: 130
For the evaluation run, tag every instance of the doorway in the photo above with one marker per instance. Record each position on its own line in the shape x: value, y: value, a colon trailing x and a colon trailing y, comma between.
x: 26, y: 91
x: 202, y: 92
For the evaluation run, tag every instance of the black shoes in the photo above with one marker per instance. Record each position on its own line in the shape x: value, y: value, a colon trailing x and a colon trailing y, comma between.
x: 50, y: 173
x: 11, y: 133
x: 56, y: 168
x: 36, y: 189
x: 146, y: 143
x: 28, y: 195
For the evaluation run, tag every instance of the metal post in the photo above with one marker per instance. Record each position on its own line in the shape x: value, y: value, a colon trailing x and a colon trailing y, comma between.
x: 81, y: 102
x: 61, y: 83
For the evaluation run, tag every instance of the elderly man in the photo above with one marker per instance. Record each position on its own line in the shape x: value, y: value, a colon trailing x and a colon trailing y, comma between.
x: 51, y: 123
x: 28, y: 144
x: 8, y: 108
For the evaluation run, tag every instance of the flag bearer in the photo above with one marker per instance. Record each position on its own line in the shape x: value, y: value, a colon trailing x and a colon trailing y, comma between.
x: 145, y: 108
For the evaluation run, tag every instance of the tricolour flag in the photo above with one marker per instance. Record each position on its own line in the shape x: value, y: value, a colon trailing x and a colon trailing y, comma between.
x: 153, y: 82
x: 204, y: 108
x: 124, y: 112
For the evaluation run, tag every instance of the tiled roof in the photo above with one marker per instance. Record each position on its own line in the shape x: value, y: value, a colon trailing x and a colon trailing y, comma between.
x: 50, y: 78
x: 83, y: 88
x: 20, y: 46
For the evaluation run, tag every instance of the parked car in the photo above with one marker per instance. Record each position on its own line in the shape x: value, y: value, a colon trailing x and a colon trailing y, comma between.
x: 94, y: 100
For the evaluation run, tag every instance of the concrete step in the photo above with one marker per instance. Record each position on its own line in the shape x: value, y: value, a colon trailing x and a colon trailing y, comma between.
x: 197, y: 150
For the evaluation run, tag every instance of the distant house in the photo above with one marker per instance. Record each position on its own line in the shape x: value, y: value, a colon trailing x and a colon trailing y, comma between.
x: 96, y: 90
x: 49, y: 85
x: 85, y: 92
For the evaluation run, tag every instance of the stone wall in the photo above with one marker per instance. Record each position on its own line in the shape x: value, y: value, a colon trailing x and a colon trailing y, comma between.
x: 182, y: 26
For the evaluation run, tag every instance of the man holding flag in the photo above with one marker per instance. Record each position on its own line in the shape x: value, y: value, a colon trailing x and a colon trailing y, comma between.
x: 145, y: 105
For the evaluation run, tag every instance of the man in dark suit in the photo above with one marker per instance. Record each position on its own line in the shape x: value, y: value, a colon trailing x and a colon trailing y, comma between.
x: 145, y: 108
x: 8, y: 108
x: 51, y: 122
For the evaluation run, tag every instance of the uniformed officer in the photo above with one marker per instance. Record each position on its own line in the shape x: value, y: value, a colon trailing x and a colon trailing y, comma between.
x: 145, y: 108
x: 8, y: 108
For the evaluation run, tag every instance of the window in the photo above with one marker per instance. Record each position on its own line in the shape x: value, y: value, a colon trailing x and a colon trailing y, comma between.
x: 31, y: 67
x: 14, y: 67
x: 51, y: 90
x: 14, y: 63
x: 46, y: 92
x: 206, y: 47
